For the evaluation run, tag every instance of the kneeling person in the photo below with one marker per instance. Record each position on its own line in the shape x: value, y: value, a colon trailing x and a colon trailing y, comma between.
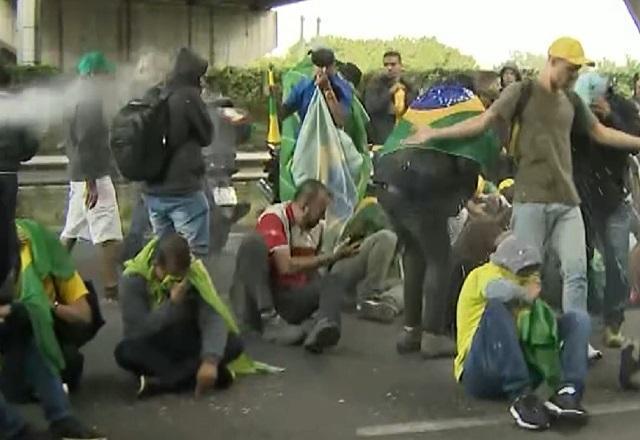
x: 177, y: 331
x: 498, y: 317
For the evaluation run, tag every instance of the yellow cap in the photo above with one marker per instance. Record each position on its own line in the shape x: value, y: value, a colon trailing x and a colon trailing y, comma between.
x: 505, y: 184
x: 571, y: 50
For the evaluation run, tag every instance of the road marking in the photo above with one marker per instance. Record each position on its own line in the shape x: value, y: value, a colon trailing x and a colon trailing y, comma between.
x: 474, y: 422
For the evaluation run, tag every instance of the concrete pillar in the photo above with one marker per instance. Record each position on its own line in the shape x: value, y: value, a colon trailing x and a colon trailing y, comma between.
x: 27, y: 14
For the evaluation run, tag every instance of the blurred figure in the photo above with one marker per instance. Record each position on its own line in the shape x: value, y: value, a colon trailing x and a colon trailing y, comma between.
x: 509, y: 74
x: 387, y: 97
x: 93, y: 208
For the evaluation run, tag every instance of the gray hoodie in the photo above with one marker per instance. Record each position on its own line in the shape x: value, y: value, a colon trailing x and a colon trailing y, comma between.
x: 515, y: 256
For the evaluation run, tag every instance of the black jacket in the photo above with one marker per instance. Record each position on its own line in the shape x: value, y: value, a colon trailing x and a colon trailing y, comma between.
x: 599, y: 170
x: 379, y: 106
x: 17, y: 144
x: 190, y: 128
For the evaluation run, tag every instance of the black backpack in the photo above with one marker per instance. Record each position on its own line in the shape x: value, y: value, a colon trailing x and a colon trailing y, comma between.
x: 139, y: 137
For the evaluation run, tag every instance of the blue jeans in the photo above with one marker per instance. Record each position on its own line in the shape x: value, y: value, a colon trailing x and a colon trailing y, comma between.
x: 611, y: 230
x: 45, y: 383
x: 187, y: 215
x: 559, y: 227
x: 495, y: 366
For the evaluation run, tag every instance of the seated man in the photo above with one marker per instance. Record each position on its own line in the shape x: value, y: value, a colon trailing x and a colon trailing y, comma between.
x: 336, y: 90
x: 498, y: 311
x: 76, y: 311
x: 33, y: 355
x: 277, y: 272
x: 377, y: 298
x: 177, y: 331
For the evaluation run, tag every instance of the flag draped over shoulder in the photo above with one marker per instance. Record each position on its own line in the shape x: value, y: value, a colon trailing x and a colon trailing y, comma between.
x: 273, y: 135
x: 443, y: 106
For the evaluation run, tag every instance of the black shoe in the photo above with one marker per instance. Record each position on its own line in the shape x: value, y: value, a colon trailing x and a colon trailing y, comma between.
x: 70, y: 428
x: 629, y: 368
x: 409, y: 341
x: 29, y: 434
x: 225, y: 378
x: 565, y: 403
x: 324, y: 334
x: 147, y: 387
x: 529, y: 413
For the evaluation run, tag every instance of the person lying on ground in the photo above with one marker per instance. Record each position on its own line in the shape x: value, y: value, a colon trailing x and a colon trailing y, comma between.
x: 336, y: 90
x: 178, y: 334
x: 508, y: 339
x: 32, y: 357
x: 375, y: 296
x: 277, y: 273
x: 47, y: 270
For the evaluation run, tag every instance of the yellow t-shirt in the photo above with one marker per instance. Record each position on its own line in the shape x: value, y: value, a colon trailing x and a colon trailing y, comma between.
x: 471, y: 305
x: 58, y: 290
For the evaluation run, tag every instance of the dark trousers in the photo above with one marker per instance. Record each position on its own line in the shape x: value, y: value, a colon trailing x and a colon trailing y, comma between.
x: 139, y: 230
x: 496, y: 367
x: 420, y: 190
x: 608, y: 231
x: 8, y: 235
x: 252, y: 281
x: 173, y: 366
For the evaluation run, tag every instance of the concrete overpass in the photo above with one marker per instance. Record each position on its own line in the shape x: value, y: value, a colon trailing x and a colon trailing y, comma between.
x: 56, y: 32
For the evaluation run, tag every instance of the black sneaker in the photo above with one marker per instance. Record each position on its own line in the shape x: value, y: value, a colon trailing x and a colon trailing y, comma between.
x: 148, y: 387
x: 565, y: 403
x: 629, y: 367
x: 323, y: 335
x: 409, y: 340
x: 529, y: 413
x: 70, y: 428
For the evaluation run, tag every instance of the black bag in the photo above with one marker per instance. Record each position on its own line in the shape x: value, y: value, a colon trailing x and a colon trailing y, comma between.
x: 139, y: 137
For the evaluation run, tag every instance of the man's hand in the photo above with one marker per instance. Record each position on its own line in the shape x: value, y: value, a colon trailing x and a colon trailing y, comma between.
x: 91, y: 197
x: 346, y: 250
x: 206, y: 377
x: 533, y: 288
x: 395, y: 87
x: 179, y: 291
x: 421, y: 136
x: 5, y: 311
x: 322, y: 81
x: 601, y: 108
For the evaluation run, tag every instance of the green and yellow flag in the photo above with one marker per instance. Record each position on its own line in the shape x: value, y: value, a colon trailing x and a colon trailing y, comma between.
x: 273, y: 135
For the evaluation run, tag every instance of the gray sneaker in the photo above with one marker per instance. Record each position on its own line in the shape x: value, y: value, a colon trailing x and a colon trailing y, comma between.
x: 379, y: 311
x: 280, y: 332
x: 323, y: 335
x: 437, y: 346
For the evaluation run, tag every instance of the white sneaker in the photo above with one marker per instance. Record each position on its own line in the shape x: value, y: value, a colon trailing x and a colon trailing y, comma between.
x: 593, y: 354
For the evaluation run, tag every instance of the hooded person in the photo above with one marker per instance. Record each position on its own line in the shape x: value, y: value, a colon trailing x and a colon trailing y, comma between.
x: 93, y: 212
x: 509, y: 340
x: 600, y: 175
x: 178, y: 201
x: 509, y: 74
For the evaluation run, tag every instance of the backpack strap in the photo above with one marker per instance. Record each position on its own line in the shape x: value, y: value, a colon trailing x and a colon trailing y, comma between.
x: 526, y: 90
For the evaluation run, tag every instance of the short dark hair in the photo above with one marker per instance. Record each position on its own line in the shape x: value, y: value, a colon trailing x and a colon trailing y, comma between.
x: 393, y: 53
x: 310, y: 189
x: 323, y: 57
x: 175, y: 248
x: 351, y: 73
x: 5, y: 77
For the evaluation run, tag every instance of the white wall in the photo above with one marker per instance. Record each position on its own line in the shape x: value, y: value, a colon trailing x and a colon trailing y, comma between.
x: 7, y: 25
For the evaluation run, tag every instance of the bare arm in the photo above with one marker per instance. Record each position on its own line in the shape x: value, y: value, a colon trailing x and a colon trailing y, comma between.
x: 614, y: 138
x: 287, y: 265
x: 334, y: 107
x: 468, y: 128
x: 77, y: 312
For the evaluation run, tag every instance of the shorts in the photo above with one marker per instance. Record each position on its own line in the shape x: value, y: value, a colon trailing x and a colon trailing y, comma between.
x: 98, y: 225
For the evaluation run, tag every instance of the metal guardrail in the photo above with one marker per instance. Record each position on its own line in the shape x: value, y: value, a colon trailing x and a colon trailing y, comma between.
x: 51, y: 170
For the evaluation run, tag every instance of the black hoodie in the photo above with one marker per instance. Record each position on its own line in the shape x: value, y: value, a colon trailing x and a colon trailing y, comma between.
x: 190, y: 128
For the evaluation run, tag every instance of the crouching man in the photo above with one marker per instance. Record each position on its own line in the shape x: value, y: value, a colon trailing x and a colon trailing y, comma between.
x: 509, y: 340
x: 177, y: 331
x: 33, y: 349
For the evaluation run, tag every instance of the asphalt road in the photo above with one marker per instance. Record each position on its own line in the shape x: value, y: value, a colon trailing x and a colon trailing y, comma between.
x: 362, y: 389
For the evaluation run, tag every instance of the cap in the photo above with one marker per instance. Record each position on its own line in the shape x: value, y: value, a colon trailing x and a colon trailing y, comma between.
x: 571, y: 50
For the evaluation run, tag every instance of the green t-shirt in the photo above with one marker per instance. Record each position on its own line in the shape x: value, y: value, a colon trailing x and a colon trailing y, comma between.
x: 543, y: 150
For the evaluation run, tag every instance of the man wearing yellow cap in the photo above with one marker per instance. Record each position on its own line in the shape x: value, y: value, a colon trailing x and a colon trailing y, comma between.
x: 546, y: 203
